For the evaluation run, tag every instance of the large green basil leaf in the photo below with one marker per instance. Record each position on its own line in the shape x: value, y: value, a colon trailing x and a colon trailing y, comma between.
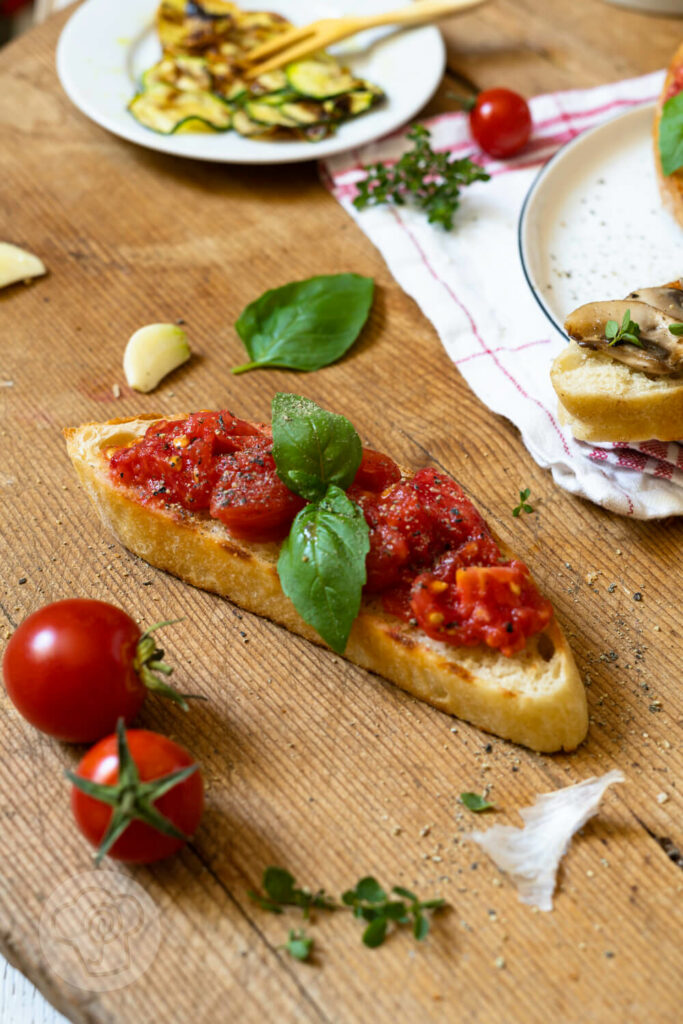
x: 307, y: 324
x: 312, y: 447
x: 671, y: 134
x: 322, y: 565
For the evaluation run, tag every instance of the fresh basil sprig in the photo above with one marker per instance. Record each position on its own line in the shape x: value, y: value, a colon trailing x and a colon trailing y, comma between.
x: 628, y: 331
x: 671, y: 134
x: 313, y: 448
x: 305, y: 325
x: 322, y: 561
x: 322, y: 565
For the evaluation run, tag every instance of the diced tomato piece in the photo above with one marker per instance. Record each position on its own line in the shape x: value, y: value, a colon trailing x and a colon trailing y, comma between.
x: 376, y: 472
x: 249, y: 497
x: 498, y: 605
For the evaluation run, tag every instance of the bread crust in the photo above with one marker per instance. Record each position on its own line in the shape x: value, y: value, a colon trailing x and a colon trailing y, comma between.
x: 603, y: 400
x: 535, y: 698
x: 670, y: 186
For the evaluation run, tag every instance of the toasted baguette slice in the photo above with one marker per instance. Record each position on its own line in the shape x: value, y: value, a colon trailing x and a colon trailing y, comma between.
x: 535, y: 698
x: 603, y: 400
x: 670, y: 186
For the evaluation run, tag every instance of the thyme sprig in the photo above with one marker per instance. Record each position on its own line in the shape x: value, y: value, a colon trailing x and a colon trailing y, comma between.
x: 432, y: 181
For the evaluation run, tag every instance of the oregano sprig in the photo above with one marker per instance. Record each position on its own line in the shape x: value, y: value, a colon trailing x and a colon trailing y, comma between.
x: 524, y: 505
x: 628, y: 331
x: 367, y: 901
x: 432, y: 181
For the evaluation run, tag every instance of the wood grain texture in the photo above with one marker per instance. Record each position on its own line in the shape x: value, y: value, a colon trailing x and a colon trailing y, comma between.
x: 310, y: 762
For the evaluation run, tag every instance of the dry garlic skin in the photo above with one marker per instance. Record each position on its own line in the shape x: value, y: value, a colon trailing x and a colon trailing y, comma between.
x: 152, y: 353
x: 18, y: 265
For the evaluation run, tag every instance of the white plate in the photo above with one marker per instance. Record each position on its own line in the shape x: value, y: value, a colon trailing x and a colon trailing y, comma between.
x: 593, y: 226
x: 107, y: 44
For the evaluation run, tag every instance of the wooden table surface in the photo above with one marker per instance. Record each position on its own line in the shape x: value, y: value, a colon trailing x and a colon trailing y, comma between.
x: 310, y: 762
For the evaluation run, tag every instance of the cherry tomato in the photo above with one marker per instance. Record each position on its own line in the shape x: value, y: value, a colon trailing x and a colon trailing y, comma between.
x: 153, y: 757
x: 69, y: 669
x: 500, y: 122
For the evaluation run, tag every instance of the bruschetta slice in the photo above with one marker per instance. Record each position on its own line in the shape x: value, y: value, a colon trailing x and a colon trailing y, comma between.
x: 670, y: 181
x: 533, y: 696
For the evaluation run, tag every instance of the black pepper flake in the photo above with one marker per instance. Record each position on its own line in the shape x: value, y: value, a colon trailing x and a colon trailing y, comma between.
x: 488, y: 748
x: 22, y: 581
x: 612, y: 587
x: 147, y: 583
x: 638, y: 596
x: 242, y: 633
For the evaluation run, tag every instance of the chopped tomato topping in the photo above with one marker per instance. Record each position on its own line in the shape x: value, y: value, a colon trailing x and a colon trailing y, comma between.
x: 432, y: 557
x: 676, y: 83
x: 496, y: 604
x: 376, y: 472
x: 249, y: 497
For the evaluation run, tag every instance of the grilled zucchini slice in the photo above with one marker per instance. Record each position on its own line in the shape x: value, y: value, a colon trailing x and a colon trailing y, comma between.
x: 243, y: 124
x: 352, y: 104
x: 269, y: 114
x: 186, y: 73
x: 320, y: 78
x: 168, y: 111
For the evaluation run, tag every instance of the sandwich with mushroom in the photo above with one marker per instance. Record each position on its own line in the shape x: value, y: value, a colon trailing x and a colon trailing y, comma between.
x: 621, y: 376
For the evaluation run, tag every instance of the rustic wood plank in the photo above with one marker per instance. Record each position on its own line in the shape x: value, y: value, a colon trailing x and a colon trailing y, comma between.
x: 311, y: 762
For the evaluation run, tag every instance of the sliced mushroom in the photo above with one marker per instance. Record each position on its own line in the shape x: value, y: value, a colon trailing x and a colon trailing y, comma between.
x: 668, y: 298
x: 661, y: 354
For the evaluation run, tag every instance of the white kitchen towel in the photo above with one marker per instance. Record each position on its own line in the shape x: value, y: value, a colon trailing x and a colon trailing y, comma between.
x: 471, y: 285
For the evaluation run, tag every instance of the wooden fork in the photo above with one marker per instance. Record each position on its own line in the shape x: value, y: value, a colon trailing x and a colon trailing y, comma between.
x: 301, y: 42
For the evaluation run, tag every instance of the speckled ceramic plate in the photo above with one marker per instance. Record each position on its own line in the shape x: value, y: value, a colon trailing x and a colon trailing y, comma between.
x: 592, y: 226
x: 107, y: 44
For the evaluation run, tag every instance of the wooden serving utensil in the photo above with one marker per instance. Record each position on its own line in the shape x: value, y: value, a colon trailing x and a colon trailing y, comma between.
x: 302, y: 42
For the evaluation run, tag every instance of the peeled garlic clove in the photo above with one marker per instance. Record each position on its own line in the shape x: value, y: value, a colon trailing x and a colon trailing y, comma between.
x: 152, y: 352
x: 18, y: 265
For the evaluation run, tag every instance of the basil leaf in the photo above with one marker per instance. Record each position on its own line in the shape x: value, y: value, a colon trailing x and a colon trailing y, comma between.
x: 312, y: 447
x: 306, y: 324
x: 671, y: 134
x: 676, y: 329
x: 322, y: 565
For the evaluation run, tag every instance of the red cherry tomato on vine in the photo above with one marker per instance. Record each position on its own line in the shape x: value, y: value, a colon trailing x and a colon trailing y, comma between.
x: 139, y: 823
x: 500, y: 121
x: 73, y: 668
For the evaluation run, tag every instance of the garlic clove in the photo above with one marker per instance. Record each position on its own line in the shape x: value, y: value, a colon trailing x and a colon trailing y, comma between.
x: 152, y: 353
x: 18, y: 265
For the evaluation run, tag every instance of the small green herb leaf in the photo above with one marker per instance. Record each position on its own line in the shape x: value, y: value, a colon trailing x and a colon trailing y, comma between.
x: 370, y: 890
x: 282, y: 891
x: 420, y: 926
x: 523, y: 506
x: 676, y: 329
x: 432, y: 181
x: 322, y: 565
x: 299, y: 945
x: 629, y: 331
x: 305, y: 325
x: 312, y: 447
x: 611, y: 329
x: 671, y: 134
x: 405, y: 893
x: 280, y: 885
x: 376, y: 932
x: 475, y: 802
